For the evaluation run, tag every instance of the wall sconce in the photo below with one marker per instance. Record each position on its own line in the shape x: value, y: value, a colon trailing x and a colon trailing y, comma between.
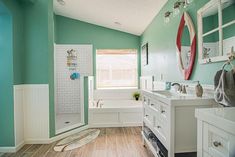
x: 61, y: 2
x: 167, y: 16
x: 177, y: 6
x: 176, y: 9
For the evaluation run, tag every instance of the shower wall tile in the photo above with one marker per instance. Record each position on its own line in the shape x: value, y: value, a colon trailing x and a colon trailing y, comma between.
x: 68, y: 92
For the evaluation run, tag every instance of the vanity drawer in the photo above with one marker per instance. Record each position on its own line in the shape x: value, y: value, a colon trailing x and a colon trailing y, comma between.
x: 217, y: 142
x: 145, y: 100
x: 154, y: 105
x: 148, y: 117
x: 161, y: 130
x: 164, y: 111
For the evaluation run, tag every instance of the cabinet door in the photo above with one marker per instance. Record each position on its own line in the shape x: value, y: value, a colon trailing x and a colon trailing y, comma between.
x: 217, y: 142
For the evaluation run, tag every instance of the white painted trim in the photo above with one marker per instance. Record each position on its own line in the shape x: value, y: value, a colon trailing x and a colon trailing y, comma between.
x: 82, y: 115
x: 57, y: 137
x: 7, y: 149
x: 19, y: 115
x: 27, y: 86
x: 115, y: 125
x: 42, y: 141
x: 222, y: 56
x: 12, y: 149
x: 68, y: 128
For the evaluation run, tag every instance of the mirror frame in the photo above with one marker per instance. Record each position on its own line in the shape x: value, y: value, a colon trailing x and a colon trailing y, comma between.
x: 186, y: 21
x: 200, y: 12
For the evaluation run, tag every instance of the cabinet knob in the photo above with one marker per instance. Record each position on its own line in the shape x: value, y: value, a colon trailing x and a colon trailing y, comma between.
x: 151, y: 104
x: 146, y: 115
x: 217, y: 144
x: 158, y: 127
x: 163, y: 111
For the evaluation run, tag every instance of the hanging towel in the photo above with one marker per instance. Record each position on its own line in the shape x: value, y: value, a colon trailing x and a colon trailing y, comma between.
x: 224, y: 82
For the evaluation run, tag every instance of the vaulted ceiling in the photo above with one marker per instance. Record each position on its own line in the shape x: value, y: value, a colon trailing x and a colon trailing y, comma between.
x: 132, y: 16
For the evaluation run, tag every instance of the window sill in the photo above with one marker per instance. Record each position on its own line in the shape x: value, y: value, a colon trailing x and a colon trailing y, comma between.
x: 118, y: 88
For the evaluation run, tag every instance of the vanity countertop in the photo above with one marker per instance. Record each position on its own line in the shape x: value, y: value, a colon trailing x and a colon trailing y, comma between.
x: 220, y: 117
x: 178, y: 99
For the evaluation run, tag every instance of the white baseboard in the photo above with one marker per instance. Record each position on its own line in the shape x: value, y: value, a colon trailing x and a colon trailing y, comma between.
x: 115, y: 125
x: 41, y: 141
x: 12, y: 149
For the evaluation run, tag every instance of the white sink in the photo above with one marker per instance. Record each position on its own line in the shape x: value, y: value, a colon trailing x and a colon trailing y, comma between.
x: 179, y: 99
x: 169, y: 94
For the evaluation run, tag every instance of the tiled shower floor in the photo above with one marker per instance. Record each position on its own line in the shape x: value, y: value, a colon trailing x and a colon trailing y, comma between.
x: 66, y: 122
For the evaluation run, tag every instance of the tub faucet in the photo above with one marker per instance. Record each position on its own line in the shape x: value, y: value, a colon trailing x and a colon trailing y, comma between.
x: 98, y: 102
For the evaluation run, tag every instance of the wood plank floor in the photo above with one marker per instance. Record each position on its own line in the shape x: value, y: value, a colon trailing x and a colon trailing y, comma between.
x: 112, y: 142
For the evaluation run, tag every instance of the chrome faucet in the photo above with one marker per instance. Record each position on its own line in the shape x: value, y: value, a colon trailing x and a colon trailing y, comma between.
x: 181, y: 88
x: 98, y: 102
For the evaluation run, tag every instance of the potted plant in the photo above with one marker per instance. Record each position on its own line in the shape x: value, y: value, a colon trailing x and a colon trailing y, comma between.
x: 136, y: 95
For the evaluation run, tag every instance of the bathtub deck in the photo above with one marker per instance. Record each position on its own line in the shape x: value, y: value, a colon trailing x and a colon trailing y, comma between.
x: 112, y: 142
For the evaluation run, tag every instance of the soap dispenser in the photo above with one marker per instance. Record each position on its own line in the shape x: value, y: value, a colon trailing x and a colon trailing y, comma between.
x: 199, y: 89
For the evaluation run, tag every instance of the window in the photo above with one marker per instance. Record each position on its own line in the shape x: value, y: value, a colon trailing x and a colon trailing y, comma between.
x: 116, y: 68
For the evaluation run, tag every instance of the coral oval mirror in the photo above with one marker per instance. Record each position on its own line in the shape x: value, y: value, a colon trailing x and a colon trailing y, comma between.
x: 186, y: 46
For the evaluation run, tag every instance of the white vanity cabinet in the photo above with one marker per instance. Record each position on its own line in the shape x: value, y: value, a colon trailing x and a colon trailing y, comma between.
x: 156, y: 117
x: 216, y: 132
x: 172, y: 120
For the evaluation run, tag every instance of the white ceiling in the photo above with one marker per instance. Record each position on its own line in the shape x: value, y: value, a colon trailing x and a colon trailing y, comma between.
x: 133, y: 15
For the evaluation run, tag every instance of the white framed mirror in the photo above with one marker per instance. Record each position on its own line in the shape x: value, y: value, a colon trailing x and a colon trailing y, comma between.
x: 216, y: 31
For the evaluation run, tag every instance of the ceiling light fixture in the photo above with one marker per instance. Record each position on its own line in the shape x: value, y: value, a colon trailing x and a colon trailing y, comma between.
x: 176, y: 9
x: 61, y: 2
x: 117, y: 23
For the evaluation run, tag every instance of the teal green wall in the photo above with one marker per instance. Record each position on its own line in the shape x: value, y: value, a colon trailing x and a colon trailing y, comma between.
x: 37, y: 36
x: 162, y: 47
x: 31, y: 57
x: 6, y: 79
x: 13, y: 65
x: 18, y: 44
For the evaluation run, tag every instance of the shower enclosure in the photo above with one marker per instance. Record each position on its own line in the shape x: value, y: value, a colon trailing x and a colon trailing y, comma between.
x: 72, y: 63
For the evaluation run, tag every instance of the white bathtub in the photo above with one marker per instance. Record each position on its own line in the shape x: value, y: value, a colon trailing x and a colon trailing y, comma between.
x: 116, y: 113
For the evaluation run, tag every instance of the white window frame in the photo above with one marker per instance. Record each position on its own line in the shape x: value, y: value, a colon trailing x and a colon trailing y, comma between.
x: 137, y: 70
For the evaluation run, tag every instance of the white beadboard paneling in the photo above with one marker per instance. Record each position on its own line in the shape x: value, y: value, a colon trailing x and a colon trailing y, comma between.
x: 31, y: 112
x: 19, y: 115
x: 36, y: 112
